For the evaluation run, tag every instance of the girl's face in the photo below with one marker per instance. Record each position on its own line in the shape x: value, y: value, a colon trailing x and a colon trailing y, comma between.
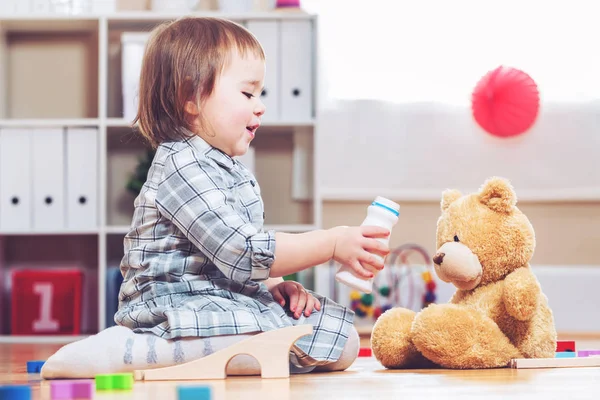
x: 232, y: 114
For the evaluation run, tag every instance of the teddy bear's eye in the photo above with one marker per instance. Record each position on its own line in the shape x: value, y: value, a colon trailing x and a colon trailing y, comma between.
x: 456, y: 238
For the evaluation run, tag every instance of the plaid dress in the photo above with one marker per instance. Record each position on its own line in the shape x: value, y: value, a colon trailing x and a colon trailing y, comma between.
x: 195, y: 242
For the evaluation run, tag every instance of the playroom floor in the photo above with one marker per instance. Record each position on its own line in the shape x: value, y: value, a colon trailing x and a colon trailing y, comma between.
x: 364, y: 379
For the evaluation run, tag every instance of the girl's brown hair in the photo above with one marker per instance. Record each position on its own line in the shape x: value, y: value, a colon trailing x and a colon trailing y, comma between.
x: 181, y: 63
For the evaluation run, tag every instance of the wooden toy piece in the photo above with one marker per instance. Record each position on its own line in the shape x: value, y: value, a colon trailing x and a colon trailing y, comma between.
x: 565, y: 345
x: 114, y: 381
x: 565, y: 354
x: 271, y: 349
x: 193, y: 393
x: 365, y: 352
x: 15, y: 392
x: 588, y: 353
x: 34, y: 367
x: 555, y: 362
x: 72, y: 389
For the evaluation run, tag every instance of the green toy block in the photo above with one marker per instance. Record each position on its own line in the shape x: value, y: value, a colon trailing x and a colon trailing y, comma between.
x: 114, y: 382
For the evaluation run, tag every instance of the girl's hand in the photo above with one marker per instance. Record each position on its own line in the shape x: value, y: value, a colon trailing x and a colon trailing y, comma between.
x: 354, y: 245
x: 299, y: 300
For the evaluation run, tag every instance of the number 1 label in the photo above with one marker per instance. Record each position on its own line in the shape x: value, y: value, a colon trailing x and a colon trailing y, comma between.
x: 45, y: 321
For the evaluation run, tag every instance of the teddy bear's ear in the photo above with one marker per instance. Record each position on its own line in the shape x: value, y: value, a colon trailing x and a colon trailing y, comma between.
x: 449, y: 196
x: 498, y: 194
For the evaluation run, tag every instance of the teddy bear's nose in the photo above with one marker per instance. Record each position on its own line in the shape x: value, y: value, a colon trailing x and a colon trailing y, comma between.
x: 438, y: 258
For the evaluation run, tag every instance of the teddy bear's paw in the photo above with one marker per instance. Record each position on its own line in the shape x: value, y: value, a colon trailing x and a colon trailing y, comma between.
x: 391, y: 340
x: 457, y: 337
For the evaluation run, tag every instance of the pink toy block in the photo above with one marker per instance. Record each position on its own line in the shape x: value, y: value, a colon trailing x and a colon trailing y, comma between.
x: 72, y: 389
x: 588, y: 353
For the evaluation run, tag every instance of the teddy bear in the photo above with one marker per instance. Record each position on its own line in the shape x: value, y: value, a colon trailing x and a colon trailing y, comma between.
x: 498, y: 311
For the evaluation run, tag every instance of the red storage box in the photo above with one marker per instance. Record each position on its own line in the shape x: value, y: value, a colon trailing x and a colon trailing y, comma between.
x: 46, y: 302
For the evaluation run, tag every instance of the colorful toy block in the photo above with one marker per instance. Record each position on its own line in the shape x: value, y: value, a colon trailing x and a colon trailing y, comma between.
x: 565, y: 354
x: 565, y: 345
x: 588, y: 353
x: 365, y: 352
x: 15, y: 392
x: 72, y: 389
x: 194, y: 393
x: 46, y: 301
x: 34, y: 367
x: 114, y: 381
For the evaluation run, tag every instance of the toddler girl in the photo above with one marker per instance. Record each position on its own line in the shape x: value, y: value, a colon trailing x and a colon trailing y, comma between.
x: 200, y: 273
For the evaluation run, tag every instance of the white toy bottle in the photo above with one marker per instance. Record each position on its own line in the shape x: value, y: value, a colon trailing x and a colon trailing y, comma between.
x: 382, y: 212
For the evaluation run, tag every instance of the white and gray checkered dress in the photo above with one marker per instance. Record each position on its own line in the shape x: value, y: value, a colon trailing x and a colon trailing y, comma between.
x: 196, y: 236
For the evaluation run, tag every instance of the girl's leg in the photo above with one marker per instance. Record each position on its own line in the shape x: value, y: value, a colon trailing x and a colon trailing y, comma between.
x: 349, y: 354
x: 119, y: 349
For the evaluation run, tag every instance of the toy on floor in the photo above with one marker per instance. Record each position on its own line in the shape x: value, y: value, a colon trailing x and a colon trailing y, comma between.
x: 568, y: 349
x: 561, y: 362
x: 72, y: 389
x: 114, y: 381
x: 15, y: 392
x: 271, y: 349
x: 498, y: 312
x: 34, y: 367
x: 565, y: 345
x: 194, y: 393
x: 365, y: 352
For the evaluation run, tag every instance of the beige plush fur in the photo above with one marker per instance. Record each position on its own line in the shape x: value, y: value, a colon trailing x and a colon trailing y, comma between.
x: 498, y: 312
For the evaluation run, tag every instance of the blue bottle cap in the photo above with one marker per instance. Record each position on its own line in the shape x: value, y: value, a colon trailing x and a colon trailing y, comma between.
x: 387, y: 204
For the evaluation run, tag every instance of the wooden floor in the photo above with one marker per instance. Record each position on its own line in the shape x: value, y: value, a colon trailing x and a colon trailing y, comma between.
x: 365, y: 378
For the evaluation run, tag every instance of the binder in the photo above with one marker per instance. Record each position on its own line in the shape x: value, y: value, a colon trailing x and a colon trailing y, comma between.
x: 48, y: 179
x: 296, y: 71
x: 82, y: 178
x: 12, y: 7
x: 132, y: 52
x: 15, y: 180
x: 268, y: 34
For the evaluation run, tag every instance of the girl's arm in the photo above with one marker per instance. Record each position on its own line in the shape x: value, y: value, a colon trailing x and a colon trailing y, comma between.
x: 347, y: 245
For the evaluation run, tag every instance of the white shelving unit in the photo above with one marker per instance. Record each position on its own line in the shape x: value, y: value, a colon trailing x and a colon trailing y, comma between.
x: 37, y: 95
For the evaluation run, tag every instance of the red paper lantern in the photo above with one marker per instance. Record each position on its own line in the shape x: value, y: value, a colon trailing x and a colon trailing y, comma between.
x: 506, y: 102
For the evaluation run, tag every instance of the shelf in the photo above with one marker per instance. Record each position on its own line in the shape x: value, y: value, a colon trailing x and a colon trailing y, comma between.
x: 117, y: 229
x: 65, y: 71
x: 48, y: 23
x: 46, y: 339
x: 163, y: 16
x: 46, y: 122
x: 50, y: 233
x: 78, y: 22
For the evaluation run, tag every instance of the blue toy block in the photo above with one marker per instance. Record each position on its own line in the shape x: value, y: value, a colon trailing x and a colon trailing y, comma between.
x: 194, y: 393
x: 113, y: 284
x: 15, y: 392
x: 34, y: 367
x: 566, y: 354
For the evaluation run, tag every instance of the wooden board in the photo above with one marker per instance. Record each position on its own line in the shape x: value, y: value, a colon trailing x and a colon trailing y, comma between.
x: 555, y: 362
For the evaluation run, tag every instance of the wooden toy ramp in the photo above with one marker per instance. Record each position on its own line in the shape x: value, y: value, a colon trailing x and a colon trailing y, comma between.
x: 271, y: 349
